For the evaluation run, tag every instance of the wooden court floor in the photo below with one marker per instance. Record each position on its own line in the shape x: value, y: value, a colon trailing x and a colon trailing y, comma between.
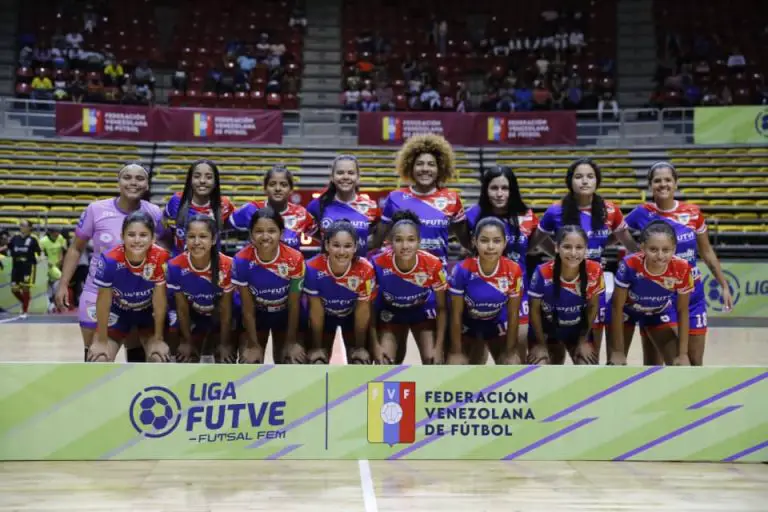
x: 391, y: 486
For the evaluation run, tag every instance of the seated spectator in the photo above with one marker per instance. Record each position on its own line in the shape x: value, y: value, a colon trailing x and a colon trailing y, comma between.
x: 179, y: 79
x: 143, y: 75
x: 90, y: 19
x: 113, y: 73
x: 607, y: 99
x: 523, y: 98
x: 42, y: 87
x: 74, y: 39
x: 542, y: 64
x: 385, y: 95
x: 58, y: 59
x: 368, y: 102
x: 41, y: 56
x: 275, y: 57
x: 291, y: 84
x: 352, y: 99
x: 262, y: 48
x: 129, y: 94
x: 144, y: 94
x: 60, y: 88
x: 576, y: 41
x: 242, y: 83
x: 573, y: 95
x: 77, y: 89
x: 408, y: 67
x: 380, y: 44
x: 94, y: 90
x: 274, y: 84
x: 211, y: 82
x: 506, y: 97
x: 365, y: 66
x: 702, y: 68
x: 462, y: 98
x: 25, y: 56
x: 429, y: 98
x: 246, y: 61
x: 298, y: 18
x: 558, y: 95
x: 736, y: 61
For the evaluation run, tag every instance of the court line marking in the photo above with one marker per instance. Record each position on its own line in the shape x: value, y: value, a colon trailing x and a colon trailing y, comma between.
x: 7, y: 320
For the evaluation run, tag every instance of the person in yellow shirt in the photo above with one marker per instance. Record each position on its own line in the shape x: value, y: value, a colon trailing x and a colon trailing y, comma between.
x: 54, y: 245
x: 113, y: 73
x: 42, y: 88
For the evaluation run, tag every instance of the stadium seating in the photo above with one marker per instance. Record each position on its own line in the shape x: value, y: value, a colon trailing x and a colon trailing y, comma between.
x: 50, y: 181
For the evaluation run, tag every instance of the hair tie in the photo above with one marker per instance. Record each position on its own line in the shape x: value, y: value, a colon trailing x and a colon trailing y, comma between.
x: 125, y: 168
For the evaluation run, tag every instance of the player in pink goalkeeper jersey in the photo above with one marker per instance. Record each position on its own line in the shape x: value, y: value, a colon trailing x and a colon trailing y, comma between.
x: 101, y: 224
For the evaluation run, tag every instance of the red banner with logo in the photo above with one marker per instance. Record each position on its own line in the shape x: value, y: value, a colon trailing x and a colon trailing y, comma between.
x: 470, y: 129
x: 161, y: 124
x: 393, y: 128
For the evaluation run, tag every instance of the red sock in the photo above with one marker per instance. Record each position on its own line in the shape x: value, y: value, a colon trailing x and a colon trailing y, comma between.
x: 25, y: 301
x: 17, y: 294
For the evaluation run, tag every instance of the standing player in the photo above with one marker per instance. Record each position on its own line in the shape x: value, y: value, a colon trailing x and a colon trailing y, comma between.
x: 299, y: 224
x: 54, y: 244
x: 427, y: 162
x: 132, y: 299
x: 340, y: 286
x: 270, y: 276
x: 485, y: 301
x: 500, y: 197
x: 101, y: 222
x: 599, y: 219
x: 201, y: 282
x: 410, y: 296
x: 653, y: 288
x: 565, y: 297
x: 692, y: 239
x: 341, y: 200
x: 201, y: 196
x: 24, y: 251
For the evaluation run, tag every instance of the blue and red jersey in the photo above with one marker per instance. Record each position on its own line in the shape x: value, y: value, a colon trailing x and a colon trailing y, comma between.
x: 569, y: 304
x: 650, y: 294
x: 413, y: 287
x: 197, y: 285
x: 268, y: 281
x: 132, y: 286
x: 362, y: 212
x: 486, y: 296
x: 171, y: 211
x: 299, y: 224
x: 340, y: 294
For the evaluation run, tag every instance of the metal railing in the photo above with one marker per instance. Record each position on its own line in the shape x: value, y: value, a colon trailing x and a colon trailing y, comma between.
x: 633, y: 127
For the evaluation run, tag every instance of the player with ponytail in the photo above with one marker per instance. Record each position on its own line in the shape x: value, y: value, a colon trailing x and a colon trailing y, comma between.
x: 565, y: 294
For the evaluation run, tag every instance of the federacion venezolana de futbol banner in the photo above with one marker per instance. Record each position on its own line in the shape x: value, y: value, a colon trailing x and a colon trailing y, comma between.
x: 730, y: 125
x: 748, y: 283
x: 100, y: 411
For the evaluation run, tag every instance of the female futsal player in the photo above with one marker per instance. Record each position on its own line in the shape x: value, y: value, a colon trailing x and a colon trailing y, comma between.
x: 201, y: 282
x: 340, y: 287
x: 270, y: 276
x: 599, y: 218
x: 278, y: 185
x: 132, y: 298
x: 410, y: 296
x: 500, y: 197
x: 341, y: 200
x: 485, y: 301
x: 201, y: 196
x: 427, y: 163
x: 101, y: 223
x: 692, y: 239
x: 653, y: 288
x: 565, y: 296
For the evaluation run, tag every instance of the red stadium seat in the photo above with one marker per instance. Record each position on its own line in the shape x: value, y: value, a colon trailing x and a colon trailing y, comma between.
x: 274, y: 100
x: 258, y: 100
x: 290, y: 102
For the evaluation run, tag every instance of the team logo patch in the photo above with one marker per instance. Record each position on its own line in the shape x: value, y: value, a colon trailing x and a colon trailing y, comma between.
x: 441, y: 203
x: 669, y: 282
x: 503, y: 284
x: 290, y: 221
x: 683, y: 218
x: 420, y: 278
x: 353, y: 282
x: 282, y: 269
x: 149, y: 271
x: 105, y: 238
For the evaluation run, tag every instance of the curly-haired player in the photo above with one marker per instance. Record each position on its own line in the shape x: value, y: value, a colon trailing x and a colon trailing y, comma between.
x: 427, y: 162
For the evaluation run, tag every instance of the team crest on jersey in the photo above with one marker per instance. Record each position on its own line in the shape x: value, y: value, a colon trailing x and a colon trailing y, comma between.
x: 282, y: 269
x: 420, y: 278
x: 149, y: 271
x: 669, y: 283
x: 441, y: 203
x: 221, y: 279
x: 683, y: 218
x: 290, y: 221
x: 353, y: 282
x: 363, y: 208
x: 503, y: 283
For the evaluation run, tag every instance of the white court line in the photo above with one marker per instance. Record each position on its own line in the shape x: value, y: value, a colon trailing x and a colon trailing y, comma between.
x: 6, y: 320
x: 366, y: 480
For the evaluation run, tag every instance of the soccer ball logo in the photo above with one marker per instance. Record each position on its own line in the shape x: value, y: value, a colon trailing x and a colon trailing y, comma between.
x: 391, y: 413
x: 155, y: 412
x: 714, y: 294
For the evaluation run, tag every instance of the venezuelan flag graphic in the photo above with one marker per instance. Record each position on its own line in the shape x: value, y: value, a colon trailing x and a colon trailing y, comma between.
x: 93, y: 120
x: 391, y: 128
x: 497, y: 131
x: 202, y: 126
x: 391, y: 412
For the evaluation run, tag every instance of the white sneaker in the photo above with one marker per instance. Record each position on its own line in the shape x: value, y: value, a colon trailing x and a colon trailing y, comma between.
x: 23, y: 316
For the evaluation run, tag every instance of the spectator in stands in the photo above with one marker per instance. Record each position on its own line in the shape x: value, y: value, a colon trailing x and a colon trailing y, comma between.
x: 523, y: 97
x: 408, y: 67
x: 726, y: 96
x: 368, y: 102
x: 262, y: 48
x: 276, y: 52
x: 42, y: 55
x: 351, y: 99
x: 290, y: 83
x: 576, y: 41
x: 462, y: 98
x: 77, y: 89
x: 736, y: 61
x: 429, y: 98
x: 691, y: 92
x: 26, y: 55
x: 607, y: 99
x: 506, y: 96
x: 74, y: 39
x: 385, y: 96
x: 574, y: 94
x: 143, y: 75
x: 275, y: 82
x: 542, y: 97
x: 144, y: 94
x: 113, y: 73
x: 298, y: 18
x: 58, y: 59
x: 90, y: 19
x: 42, y: 87
x: 60, y: 88
x: 179, y: 79
x: 94, y: 89
x: 542, y: 64
x: 709, y: 98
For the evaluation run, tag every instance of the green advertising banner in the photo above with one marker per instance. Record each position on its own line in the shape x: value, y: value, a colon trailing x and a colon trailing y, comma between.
x: 748, y: 282
x: 730, y: 125
x: 127, y: 412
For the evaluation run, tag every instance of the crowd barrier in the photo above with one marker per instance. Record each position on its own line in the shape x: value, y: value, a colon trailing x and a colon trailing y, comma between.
x: 168, y: 124
x: 82, y: 411
x: 470, y: 129
x: 731, y: 125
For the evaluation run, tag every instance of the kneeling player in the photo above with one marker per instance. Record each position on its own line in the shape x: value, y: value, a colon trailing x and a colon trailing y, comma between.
x: 132, y: 301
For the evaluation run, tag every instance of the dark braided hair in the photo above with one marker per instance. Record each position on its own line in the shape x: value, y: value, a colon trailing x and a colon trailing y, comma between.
x: 329, y: 194
x: 214, y: 199
x: 583, y: 279
x: 515, y: 205
x: 571, y: 206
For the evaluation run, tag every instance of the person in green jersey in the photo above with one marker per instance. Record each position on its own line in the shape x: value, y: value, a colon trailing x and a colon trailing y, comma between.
x: 54, y: 245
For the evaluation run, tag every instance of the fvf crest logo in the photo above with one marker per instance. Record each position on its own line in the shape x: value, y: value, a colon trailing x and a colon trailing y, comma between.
x: 669, y: 283
x: 290, y: 221
x: 353, y: 282
x: 683, y: 218
x: 282, y: 269
x: 440, y: 203
x: 420, y: 278
x: 503, y: 284
x: 149, y: 270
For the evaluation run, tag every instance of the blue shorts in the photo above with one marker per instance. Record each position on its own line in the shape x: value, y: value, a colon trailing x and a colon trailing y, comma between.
x: 386, y: 314
x: 347, y: 323
x: 494, y: 327
x: 278, y: 320
x: 698, y: 310
x: 668, y: 317
x: 565, y: 334
x: 123, y: 321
